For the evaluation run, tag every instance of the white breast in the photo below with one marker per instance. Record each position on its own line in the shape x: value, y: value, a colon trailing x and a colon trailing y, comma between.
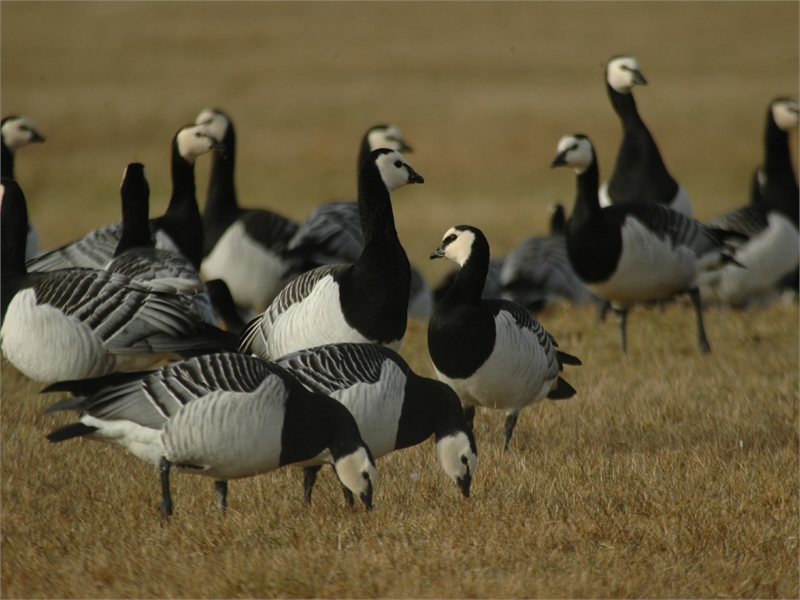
x: 649, y: 268
x: 315, y: 320
x: 253, y: 273
x: 517, y: 374
x: 229, y: 435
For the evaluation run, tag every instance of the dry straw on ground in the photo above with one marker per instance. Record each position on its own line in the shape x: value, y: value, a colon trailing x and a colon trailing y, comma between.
x: 671, y: 474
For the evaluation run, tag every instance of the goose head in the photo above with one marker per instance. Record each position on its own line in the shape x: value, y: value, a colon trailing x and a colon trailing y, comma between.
x: 386, y: 136
x: 576, y: 151
x: 622, y: 73
x: 458, y: 456
x: 217, y: 122
x: 195, y: 140
x: 394, y: 169
x: 786, y: 113
x: 458, y: 244
x: 18, y: 132
x: 357, y: 473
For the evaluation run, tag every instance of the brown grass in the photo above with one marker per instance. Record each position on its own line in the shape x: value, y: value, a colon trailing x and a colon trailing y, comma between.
x: 669, y: 475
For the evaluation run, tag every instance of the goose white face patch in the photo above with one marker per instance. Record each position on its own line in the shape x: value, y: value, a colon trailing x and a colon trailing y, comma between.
x: 458, y: 248
x: 579, y: 152
x: 388, y: 137
x: 18, y: 133
x: 393, y: 169
x: 786, y: 114
x: 216, y: 122
x: 621, y: 73
x: 357, y: 472
x: 194, y: 141
x: 456, y: 456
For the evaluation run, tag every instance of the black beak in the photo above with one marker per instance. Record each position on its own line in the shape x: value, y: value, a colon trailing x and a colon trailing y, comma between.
x: 37, y: 137
x: 638, y: 78
x: 464, y: 483
x: 366, y: 497
x: 438, y: 253
x: 560, y: 160
x: 413, y: 176
x: 405, y: 148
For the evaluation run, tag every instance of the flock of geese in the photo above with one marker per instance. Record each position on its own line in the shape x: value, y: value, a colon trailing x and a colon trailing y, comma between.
x: 231, y: 342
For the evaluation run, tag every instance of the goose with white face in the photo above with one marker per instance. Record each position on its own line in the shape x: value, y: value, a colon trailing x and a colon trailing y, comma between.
x: 395, y: 171
x: 622, y: 73
x: 458, y: 458
x: 18, y: 132
x: 786, y: 113
x: 196, y: 140
x: 575, y: 151
x: 456, y: 245
x: 216, y: 122
x: 357, y: 473
x: 387, y: 137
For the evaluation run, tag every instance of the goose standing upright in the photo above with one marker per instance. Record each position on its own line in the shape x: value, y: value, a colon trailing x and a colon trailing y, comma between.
x: 394, y: 407
x: 243, y: 247
x: 537, y: 271
x: 136, y: 255
x: 635, y: 251
x: 639, y: 173
x: 493, y: 353
x: 79, y: 323
x: 226, y: 416
x: 17, y: 132
x: 363, y: 302
x: 179, y: 229
x: 771, y: 254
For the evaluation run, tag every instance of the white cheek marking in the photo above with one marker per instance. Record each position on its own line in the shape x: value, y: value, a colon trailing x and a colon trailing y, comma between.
x: 449, y: 452
x: 649, y: 268
x: 253, y: 273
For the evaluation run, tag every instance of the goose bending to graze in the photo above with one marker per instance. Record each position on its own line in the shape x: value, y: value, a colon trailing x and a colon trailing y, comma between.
x: 639, y: 173
x: 394, y: 407
x: 78, y: 323
x: 18, y: 132
x: 537, y: 271
x: 363, y: 302
x: 635, y: 251
x: 771, y: 221
x: 493, y: 353
x: 179, y: 229
x: 225, y: 416
x: 243, y: 247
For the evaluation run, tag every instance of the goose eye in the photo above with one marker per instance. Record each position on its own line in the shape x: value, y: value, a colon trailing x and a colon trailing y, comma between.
x: 450, y: 238
x: 464, y: 460
x: 398, y: 164
x: 365, y: 475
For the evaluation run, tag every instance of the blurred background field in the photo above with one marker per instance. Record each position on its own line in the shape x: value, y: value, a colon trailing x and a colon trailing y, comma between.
x: 670, y: 475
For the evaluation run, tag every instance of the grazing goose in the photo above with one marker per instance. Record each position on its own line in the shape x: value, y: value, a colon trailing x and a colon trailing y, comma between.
x: 366, y: 301
x: 136, y: 255
x: 537, y: 271
x: 635, y: 251
x: 226, y: 416
x: 639, y: 174
x: 493, y: 353
x: 78, y: 323
x: 179, y: 229
x: 394, y: 407
x: 771, y: 221
x: 16, y: 133
x: 243, y: 247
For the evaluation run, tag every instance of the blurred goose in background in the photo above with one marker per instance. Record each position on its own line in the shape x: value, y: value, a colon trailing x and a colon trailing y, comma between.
x: 79, y: 323
x: 639, y: 173
x: 635, y: 251
x: 493, y: 353
x: 362, y: 302
x: 394, y: 407
x: 537, y: 271
x: 179, y: 229
x: 772, y: 254
x: 243, y: 247
x: 331, y: 234
x: 225, y: 416
x: 18, y: 132
x: 136, y: 255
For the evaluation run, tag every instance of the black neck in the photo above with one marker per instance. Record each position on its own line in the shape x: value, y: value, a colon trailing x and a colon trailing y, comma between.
x: 374, y: 206
x: 587, y: 203
x: 135, y: 222
x: 363, y: 152
x: 221, y: 202
x: 780, y: 189
x: 14, y: 215
x: 6, y: 162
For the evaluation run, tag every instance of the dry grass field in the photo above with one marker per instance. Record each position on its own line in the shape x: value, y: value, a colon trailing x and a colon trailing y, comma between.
x: 671, y: 474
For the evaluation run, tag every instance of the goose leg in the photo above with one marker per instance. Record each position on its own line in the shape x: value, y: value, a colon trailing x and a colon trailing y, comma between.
x: 166, y: 499
x: 309, y: 478
x: 221, y: 487
x: 469, y: 415
x: 622, y: 320
x: 694, y: 294
x: 508, y: 429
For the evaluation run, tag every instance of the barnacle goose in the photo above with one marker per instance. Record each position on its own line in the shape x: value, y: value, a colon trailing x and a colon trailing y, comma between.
x: 179, y: 229
x: 493, y: 353
x: 16, y: 133
x: 226, y: 416
x: 635, y: 251
x: 243, y: 247
x: 78, y: 323
x: 224, y: 306
x: 537, y: 271
x: 394, y: 407
x: 366, y: 301
x: 639, y: 173
x: 771, y: 221
x: 136, y: 255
